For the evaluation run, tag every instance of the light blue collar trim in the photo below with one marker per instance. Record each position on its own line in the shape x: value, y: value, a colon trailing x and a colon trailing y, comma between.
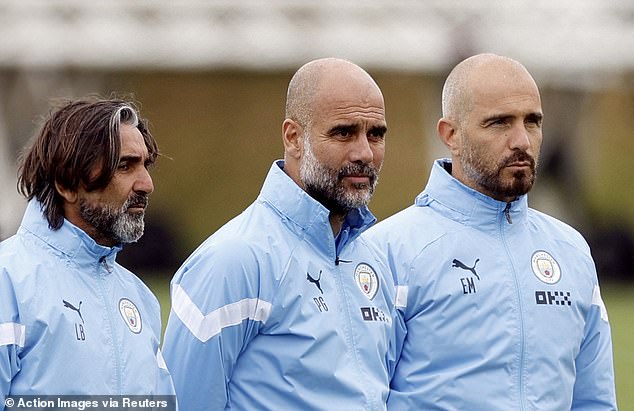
x: 294, y: 203
x: 466, y: 203
x: 69, y: 239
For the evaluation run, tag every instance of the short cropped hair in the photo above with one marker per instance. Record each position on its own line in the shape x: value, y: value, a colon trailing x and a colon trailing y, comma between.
x: 79, y: 143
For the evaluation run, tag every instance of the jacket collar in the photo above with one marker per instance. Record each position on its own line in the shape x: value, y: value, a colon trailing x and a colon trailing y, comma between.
x: 69, y: 240
x: 291, y: 201
x: 462, y: 203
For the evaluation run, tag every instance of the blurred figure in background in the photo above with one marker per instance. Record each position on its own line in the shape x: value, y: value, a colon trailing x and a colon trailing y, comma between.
x: 285, y: 308
x: 501, y: 302
x: 72, y: 320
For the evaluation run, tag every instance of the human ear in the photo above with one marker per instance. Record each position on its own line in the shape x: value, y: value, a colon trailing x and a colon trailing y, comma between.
x: 291, y: 133
x: 70, y: 196
x: 449, y: 135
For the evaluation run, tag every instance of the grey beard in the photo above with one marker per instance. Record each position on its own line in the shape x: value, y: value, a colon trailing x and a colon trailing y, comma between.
x: 115, y: 224
x: 324, y: 184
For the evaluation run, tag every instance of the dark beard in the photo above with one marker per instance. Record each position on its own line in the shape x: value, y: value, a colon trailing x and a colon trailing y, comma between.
x: 491, y: 180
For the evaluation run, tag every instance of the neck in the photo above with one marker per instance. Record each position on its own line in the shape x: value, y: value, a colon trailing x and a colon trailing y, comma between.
x: 336, y: 221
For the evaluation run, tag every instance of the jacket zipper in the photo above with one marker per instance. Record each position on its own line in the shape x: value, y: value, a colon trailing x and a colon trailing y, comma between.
x: 507, y: 213
x: 113, y: 336
x: 520, y: 368
x: 338, y: 260
x: 349, y: 327
x: 103, y: 261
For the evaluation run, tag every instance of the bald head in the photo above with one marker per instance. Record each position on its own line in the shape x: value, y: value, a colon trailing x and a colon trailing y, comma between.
x: 474, y: 76
x: 319, y: 77
x: 334, y: 134
x: 492, y: 124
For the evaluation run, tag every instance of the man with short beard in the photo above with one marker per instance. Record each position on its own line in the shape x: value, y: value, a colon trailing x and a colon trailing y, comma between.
x: 72, y: 320
x: 284, y: 308
x: 501, y: 302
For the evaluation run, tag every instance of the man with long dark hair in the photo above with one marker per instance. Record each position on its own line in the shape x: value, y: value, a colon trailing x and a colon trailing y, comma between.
x: 72, y: 320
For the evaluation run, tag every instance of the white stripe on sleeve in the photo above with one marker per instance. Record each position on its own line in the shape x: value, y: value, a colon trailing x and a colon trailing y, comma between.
x: 160, y: 360
x: 206, y: 326
x: 12, y: 333
x: 598, y: 301
x: 401, y: 296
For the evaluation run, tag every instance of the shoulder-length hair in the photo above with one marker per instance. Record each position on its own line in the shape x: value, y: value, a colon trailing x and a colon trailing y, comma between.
x: 78, y: 143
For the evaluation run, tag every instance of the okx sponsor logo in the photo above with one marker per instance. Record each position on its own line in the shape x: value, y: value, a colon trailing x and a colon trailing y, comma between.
x: 374, y: 314
x: 561, y: 298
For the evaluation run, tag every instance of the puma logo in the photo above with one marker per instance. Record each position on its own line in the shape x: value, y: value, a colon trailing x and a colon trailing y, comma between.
x: 315, y: 281
x: 460, y: 264
x: 72, y: 307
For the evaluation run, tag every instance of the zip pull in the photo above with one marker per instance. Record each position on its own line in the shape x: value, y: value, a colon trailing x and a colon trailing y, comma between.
x: 507, y: 213
x: 103, y: 261
x: 338, y: 260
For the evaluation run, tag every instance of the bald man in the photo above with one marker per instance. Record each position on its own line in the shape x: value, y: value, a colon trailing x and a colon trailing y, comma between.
x: 285, y: 308
x: 501, y: 302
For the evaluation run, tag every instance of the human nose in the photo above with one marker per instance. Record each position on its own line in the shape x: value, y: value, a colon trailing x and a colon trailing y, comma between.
x: 361, y: 150
x: 144, y: 183
x: 520, y: 138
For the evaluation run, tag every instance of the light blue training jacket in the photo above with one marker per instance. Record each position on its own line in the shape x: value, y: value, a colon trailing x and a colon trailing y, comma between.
x: 272, y: 312
x: 72, y: 320
x: 503, y: 309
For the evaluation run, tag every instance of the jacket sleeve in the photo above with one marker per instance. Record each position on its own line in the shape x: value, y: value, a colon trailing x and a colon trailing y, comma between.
x: 216, y: 311
x: 594, y: 384
x: 12, y: 335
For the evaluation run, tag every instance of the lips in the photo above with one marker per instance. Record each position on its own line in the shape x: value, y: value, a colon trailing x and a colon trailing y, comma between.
x: 520, y: 159
x: 137, y: 206
x: 358, y: 173
x: 137, y: 202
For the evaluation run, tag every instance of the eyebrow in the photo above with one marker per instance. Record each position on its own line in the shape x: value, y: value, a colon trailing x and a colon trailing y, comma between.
x: 536, y: 116
x: 503, y: 116
x: 379, y: 129
x: 131, y: 158
x: 135, y: 158
x: 354, y: 127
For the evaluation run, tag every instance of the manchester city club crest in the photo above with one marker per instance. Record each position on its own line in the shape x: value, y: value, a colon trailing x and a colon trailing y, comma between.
x: 130, y: 315
x: 366, y: 279
x: 545, y: 267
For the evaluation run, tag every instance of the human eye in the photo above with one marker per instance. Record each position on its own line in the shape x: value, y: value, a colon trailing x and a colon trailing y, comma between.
x: 149, y: 165
x: 377, y: 133
x: 497, y: 121
x: 123, y: 166
x: 534, y: 120
x: 342, y: 132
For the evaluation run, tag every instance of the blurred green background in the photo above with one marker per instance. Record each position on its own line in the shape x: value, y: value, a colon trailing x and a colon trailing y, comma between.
x: 619, y: 301
x: 220, y: 130
x: 211, y: 78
